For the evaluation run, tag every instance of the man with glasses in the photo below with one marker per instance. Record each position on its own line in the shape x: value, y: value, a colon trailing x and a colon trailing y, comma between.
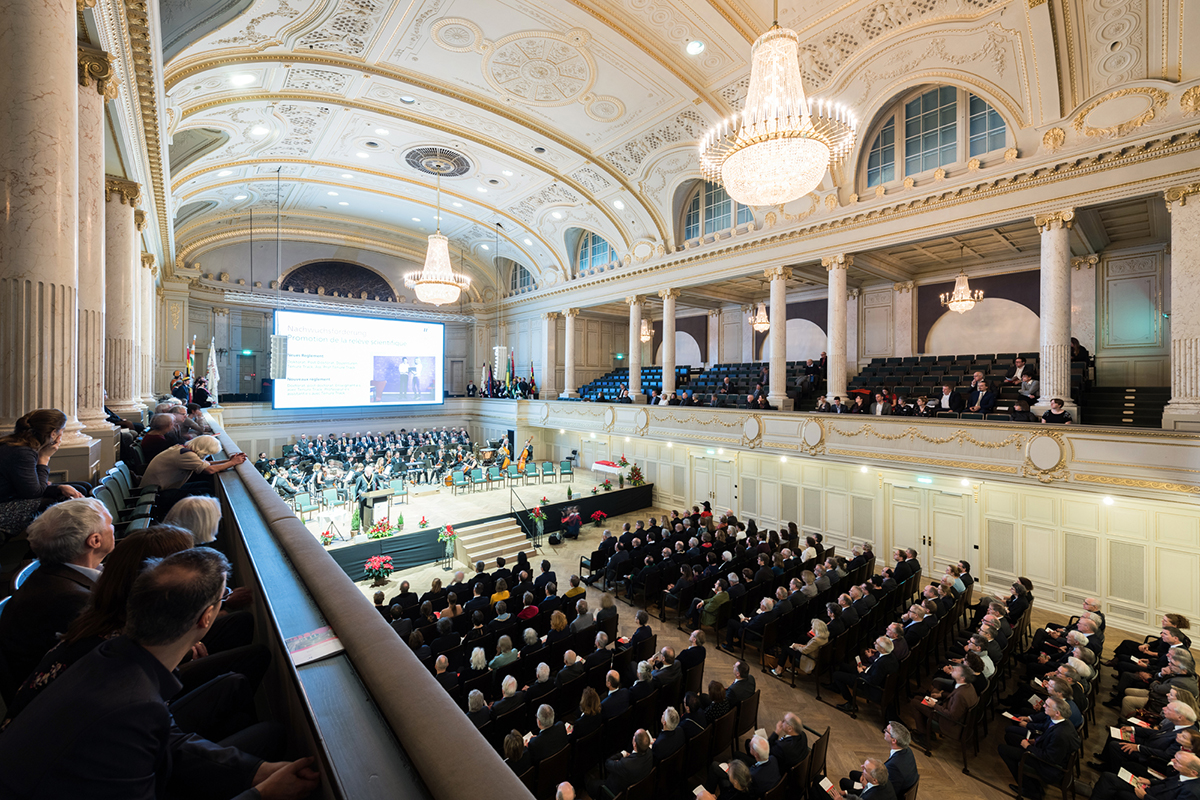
x: 104, y: 729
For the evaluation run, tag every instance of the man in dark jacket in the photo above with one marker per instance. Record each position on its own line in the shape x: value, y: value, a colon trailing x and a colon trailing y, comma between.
x: 625, y: 771
x: 1048, y: 753
x: 551, y: 736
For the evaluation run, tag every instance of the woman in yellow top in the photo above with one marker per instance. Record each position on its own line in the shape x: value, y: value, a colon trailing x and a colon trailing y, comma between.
x: 501, y: 591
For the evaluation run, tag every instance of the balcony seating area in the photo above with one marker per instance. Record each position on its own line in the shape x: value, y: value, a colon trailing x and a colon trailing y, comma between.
x: 609, y: 386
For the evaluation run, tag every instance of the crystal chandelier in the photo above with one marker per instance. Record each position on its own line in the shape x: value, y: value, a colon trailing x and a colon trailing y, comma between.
x: 759, y: 321
x: 437, y: 284
x: 962, y: 299
x: 778, y: 148
x: 647, y: 331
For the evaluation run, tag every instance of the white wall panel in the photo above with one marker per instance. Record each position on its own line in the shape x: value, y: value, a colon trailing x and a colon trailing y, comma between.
x: 1039, y: 554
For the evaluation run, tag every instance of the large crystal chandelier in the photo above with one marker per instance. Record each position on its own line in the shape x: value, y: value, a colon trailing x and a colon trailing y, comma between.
x: 962, y: 299
x: 437, y: 284
x: 647, y: 331
x: 759, y: 321
x: 778, y: 148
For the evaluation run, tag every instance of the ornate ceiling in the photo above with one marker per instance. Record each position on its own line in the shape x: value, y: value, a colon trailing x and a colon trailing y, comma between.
x: 576, y: 113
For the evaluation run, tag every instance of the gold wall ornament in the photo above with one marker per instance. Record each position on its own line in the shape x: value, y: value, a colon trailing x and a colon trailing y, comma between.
x: 880, y: 191
x: 148, y: 260
x: 903, y: 287
x: 913, y: 433
x: 978, y: 466
x: 1052, y: 140
x: 939, y: 175
x: 1011, y: 155
x: 973, y: 165
x: 778, y: 274
x: 96, y: 69
x: 1133, y: 483
x: 83, y: 5
x: 1054, y: 220
x: 1180, y: 194
x: 1189, y: 102
x: 139, y: 219
x: 910, y: 182
x: 1085, y: 262
x: 837, y: 261
x: 129, y: 192
x: 1156, y: 97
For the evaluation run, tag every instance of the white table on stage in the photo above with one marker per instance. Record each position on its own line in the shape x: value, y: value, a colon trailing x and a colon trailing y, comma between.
x: 613, y: 468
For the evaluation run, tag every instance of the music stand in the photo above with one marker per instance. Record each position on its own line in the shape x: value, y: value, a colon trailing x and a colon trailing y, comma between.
x: 337, y: 532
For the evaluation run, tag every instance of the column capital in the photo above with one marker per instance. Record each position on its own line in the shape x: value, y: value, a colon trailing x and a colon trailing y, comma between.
x: 837, y: 261
x: 139, y: 219
x: 129, y: 192
x: 748, y: 309
x: 570, y: 312
x: 902, y: 287
x: 778, y: 274
x: 634, y: 300
x: 1180, y: 194
x: 81, y: 5
x: 1085, y: 262
x: 549, y: 315
x: 1053, y: 220
x: 148, y: 261
x: 668, y: 293
x: 714, y: 312
x: 852, y: 293
x: 96, y: 69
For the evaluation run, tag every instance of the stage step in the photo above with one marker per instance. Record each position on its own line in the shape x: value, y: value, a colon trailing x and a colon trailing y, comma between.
x: 489, y: 540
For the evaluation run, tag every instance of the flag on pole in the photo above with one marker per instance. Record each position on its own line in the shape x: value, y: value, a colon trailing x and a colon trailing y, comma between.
x: 189, y: 372
x: 214, y: 375
x: 532, y: 379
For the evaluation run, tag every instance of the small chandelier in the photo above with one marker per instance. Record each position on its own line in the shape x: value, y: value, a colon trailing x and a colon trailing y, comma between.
x: 759, y: 321
x: 962, y: 299
x: 778, y: 148
x: 438, y: 284
x: 647, y: 331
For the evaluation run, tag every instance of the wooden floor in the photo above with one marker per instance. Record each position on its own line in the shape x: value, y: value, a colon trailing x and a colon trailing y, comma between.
x: 852, y: 740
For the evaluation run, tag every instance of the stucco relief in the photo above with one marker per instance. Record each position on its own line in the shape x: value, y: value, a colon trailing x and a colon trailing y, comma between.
x: 349, y: 30
x: 1116, y: 42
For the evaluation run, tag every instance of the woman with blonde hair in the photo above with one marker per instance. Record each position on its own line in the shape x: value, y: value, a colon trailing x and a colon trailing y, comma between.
x: 558, y: 628
x: 608, y: 608
x: 805, y: 654
x: 199, y: 514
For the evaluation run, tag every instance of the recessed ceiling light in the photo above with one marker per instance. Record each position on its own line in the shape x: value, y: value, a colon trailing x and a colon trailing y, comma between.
x: 557, y: 215
x: 456, y: 204
x: 695, y: 47
x: 242, y: 79
x: 481, y: 189
x: 863, y: 468
x: 332, y: 194
x: 225, y: 173
x: 347, y: 175
x: 363, y: 155
x: 416, y: 219
x: 381, y: 131
x: 343, y: 203
x: 408, y: 101
x: 259, y: 130
x: 1108, y: 501
x: 529, y: 242
x: 240, y: 197
x: 485, y: 247
x: 507, y: 173
x: 966, y: 482
x: 617, y: 204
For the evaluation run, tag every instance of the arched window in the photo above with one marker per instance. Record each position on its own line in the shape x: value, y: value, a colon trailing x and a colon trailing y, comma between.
x: 710, y: 209
x: 520, y: 279
x: 942, y: 126
x: 594, y: 251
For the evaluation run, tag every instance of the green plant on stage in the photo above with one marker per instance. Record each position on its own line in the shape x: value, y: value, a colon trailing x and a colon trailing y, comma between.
x: 327, y: 538
x: 568, y: 493
x: 381, y: 529
x: 621, y: 480
x: 399, y: 521
x: 355, y: 522
x: 607, y: 484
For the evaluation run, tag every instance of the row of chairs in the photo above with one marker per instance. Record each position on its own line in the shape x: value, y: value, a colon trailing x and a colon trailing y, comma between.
x: 510, y: 476
x: 130, y: 507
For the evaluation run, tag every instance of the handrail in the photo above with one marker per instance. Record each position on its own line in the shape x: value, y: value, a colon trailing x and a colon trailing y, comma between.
x: 535, y: 536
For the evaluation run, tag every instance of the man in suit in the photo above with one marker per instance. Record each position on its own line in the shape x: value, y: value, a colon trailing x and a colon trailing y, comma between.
x: 876, y: 784
x: 881, y: 407
x: 616, y: 566
x: 552, y: 601
x: 1156, y: 743
x: 1049, y: 752
x: 627, y: 769
x: 104, y: 730
x: 71, y: 540
x: 551, y: 736
x: 694, y: 654
x: 571, y: 670
x: 950, y: 400
x: 672, y: 737
x: 867, y: 680
x: 849, y: 614
x: 543, y: 580
x: 950, y: 709
x: 704, y: 612
x: 643, y: 687
x: 446, y: 639
x: 541, y: 686
x: 916, y: 625
x: 743, y: 684
x: 983, y: 399
x: 459, y: 587
x: 737, y: 629
x: 1019, y: 371
x: 511, y: 699
x: 477, y: 603
x: 1180, y: 786
x: 788, y: 744
x: 405, y: 597
x: 666, y: 668
x: 503, y: 622
x: 618, y: 700
x: 601, y: 655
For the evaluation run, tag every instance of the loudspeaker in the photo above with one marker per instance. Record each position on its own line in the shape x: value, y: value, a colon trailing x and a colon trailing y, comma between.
x: 279, y: 358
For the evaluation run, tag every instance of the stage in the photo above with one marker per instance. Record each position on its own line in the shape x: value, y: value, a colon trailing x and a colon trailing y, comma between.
x: 414, y: 545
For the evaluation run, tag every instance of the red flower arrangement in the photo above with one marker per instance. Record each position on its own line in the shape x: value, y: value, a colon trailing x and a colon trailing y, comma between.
x: 378, y: 567
x: 598, y: 517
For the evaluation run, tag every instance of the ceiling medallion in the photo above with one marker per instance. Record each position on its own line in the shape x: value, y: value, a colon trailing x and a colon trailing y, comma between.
x: 779, y: 147
x: 437, y: 284
x: 962, y: 299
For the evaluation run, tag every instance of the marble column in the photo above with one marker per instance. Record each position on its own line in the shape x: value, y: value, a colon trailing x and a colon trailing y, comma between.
x: 902, y: 318
x: 139, y: 222
x: 146, y: 274
x: 714, y: 339
x: 39, y: 226
x: 120, y: 251
x: 852, y: 295
x: 570, y: 387
x: 777, y: 392
x: 835, y: 349
x: 668, y: 351
x: 1083, y: 299
x: 97, y: 83
x: 546, y: 389
x: 1183, y: 412
x: 747, y: 334
x: 635, y: 348
x: 1054, y: 362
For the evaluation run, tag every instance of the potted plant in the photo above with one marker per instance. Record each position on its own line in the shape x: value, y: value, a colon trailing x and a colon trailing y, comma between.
x: 424, y: 523
x: 622, y: 461
x: 539, y: 518
x: 636, y: 478
x: 607, y: 484
x: 355, y: 523
x: 378, y: 569
x: 595, y: 490
x: 399, y: 522
x: 447, y: 536
x: 598, y: 518
x: 568, y: 494
x: 327, y: 538
x: 621, y: 480
x: 545, y: 501
x: 381, y: 529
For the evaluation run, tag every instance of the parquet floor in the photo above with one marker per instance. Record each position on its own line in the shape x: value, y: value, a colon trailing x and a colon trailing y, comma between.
x: 851, y: 740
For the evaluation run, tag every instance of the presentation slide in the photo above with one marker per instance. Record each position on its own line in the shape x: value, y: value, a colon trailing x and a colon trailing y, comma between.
x: 336, y: 361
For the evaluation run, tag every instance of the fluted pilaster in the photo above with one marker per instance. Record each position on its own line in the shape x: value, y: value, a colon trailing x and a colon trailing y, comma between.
x: 777, y: 391
x: 835, y: 350
x: 1054, y: 369
x: 120, y: 295
x: 570, y: 387
x: 1183, y: 412
x: 668, y: 348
